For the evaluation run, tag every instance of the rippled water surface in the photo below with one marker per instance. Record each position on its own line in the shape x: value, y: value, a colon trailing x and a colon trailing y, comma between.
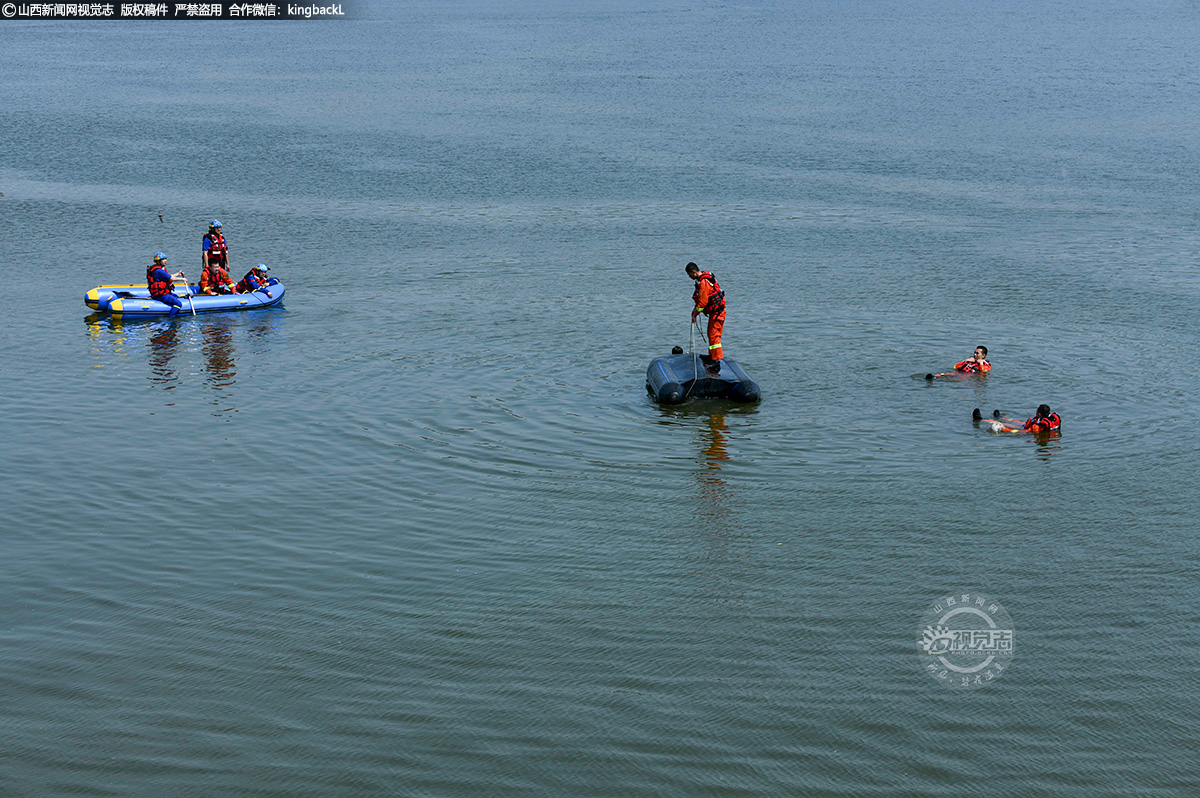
x: 422, y: 532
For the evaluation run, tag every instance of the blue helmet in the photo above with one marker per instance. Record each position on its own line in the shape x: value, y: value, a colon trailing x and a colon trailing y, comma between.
x: 262, y: 267
x: 159, y: 256
x: 215, y: 223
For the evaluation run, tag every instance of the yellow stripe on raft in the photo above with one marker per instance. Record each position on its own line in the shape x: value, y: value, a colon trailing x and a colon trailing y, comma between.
x: 138, y: 285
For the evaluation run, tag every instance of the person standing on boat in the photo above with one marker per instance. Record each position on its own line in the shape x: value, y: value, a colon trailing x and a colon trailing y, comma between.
x: 162, y: 283
x: 214, y: 251
x: 255, y: 280
x: 709, y: 299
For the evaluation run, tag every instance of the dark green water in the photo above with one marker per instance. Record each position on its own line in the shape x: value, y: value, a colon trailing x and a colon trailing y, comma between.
x: 421, y: 532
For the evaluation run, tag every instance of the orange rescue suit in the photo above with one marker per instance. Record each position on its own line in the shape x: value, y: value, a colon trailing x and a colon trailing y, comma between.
x: 971, y: 367
x: 214, y: 279
x: 710, y: 300
x: 1043, y: 423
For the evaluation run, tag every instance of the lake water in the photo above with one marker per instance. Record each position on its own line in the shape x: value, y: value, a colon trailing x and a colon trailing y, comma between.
x: 422, y: 532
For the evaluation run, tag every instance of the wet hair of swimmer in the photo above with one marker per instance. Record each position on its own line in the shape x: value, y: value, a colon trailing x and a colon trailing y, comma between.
x: 691, y: 267
x: 1043, y: 411
x: 677, y: 350
x: 984, y: 348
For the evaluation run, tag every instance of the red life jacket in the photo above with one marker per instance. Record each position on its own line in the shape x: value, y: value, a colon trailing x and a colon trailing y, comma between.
x: 249, y: 283
x: 218, y: 252
x: 716, y: 298
x: 158, y: 287
x: 1043, y: 423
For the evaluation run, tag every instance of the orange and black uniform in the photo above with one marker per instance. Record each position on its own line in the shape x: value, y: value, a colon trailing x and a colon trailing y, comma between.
x: 1043, y: 423
x: 214, y: 279
x: 971, y: 367
x: 710, y: 300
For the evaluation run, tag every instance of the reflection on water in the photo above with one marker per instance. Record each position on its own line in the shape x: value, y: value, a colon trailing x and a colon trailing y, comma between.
x: 103, y: 348
x: 169, y: 342
x: 163, y: 344
x: 715, y: 451
x: 714, y: 490
x: 1048, y: 444
x: 219, y: 355
x: 261, y: 325
x: 717, y: 514
x: 711, y: 420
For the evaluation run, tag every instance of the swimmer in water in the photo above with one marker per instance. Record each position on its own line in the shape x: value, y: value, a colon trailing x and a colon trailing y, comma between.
x: 976, y: 364
x: 1042, y: 421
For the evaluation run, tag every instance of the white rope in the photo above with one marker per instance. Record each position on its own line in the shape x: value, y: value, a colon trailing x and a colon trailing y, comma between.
x: 692, y: 352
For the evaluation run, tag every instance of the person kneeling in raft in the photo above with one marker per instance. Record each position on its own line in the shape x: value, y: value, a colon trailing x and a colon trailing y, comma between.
x: 976, y: 364
x: 1042, y: 421
x: 709, y: 299
x: 255, y: 280
x: 162, y: 283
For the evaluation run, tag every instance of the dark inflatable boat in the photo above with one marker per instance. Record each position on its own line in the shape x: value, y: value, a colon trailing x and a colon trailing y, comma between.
x: 673, y: 379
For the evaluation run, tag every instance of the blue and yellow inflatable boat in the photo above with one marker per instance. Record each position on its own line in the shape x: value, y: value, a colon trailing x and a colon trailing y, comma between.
x: 134, y: 300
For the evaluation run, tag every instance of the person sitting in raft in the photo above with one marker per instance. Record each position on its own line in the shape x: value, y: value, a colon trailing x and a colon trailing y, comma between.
x: 977, y: 364
x: 162, y: 283
x: 708, y: 298
x: 1043, y: 421
x: 255, y: 280
x: 215, y: 280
